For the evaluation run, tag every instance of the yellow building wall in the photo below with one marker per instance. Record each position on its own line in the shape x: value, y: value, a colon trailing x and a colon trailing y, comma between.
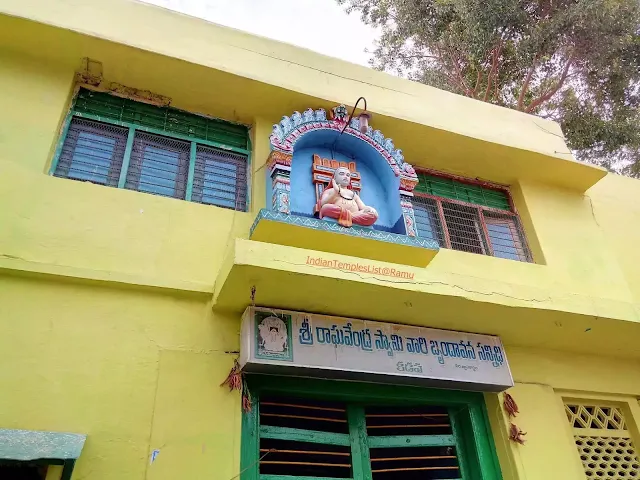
x: 107, y: 328
x: 139, y: 371
x: 33, y: 107
x: 134, y: 370
x: 549, y: 451
x: 82, y: 229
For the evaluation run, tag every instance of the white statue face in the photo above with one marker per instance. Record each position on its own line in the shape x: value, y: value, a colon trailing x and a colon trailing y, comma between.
x: 342, y: 176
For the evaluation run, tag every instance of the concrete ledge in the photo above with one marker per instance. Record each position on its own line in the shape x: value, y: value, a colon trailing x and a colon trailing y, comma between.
x: 17, y: 266
x: 326, y: 236
x: 304, y: 280
x: 26, y: 445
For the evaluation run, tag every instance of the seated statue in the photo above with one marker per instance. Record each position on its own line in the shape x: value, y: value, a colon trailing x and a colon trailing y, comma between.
x: 342, y: 203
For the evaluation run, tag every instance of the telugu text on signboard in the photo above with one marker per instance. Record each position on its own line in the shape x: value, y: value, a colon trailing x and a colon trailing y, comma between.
x: 326, y: 343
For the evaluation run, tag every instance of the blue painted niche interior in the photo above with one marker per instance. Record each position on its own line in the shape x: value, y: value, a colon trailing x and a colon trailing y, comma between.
x: 380, y: 186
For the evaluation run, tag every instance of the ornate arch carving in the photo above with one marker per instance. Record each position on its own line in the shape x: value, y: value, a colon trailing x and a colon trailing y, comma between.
x: 292, y: 128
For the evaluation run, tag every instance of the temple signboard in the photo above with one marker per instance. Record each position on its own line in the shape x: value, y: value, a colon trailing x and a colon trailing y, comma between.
x: 283, y: 342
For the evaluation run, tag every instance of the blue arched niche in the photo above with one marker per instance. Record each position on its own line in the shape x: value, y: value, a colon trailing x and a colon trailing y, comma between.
x: 380, y: 186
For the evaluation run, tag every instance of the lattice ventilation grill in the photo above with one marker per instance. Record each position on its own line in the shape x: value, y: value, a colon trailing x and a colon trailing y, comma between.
x: 605, y: 447
x: 594, y: 416
x: 608, y: 458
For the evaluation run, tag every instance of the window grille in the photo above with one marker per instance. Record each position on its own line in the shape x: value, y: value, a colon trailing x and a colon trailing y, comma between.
x: 303, y: 438
x: 464, y: 227
x: 469, y: 218
x: 428, y: 219
x: 121, y: 143
x: 92, y: 152
x: 158, y: 165
x: 220, y: 178
x: 603, y: 441
x: 506, y: 236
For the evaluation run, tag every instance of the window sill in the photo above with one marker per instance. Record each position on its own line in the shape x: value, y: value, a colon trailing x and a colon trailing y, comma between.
x: 325, y: 236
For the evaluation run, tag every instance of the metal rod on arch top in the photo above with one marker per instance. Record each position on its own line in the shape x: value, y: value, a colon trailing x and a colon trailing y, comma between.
x: 353, y: 111
x: 350, y: 117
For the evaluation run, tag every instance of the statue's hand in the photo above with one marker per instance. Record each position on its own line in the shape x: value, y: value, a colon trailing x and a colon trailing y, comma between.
x: 335, y: 186
x: 370, y: 210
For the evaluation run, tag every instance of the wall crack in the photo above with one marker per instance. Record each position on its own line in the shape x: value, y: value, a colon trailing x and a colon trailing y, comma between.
x: 427, y: 283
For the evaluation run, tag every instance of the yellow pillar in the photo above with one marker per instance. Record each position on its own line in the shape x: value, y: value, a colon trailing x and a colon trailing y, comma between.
x: 261, y: 149
x: 549, y: 451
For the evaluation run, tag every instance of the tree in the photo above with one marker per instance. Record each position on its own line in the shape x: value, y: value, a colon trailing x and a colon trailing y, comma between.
x: 574, y: 61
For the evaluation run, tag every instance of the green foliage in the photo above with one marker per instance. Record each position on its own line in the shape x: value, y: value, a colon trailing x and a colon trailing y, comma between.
x: 574, y: 61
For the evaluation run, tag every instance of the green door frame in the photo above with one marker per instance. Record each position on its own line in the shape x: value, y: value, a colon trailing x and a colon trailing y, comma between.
x: 467, y: 410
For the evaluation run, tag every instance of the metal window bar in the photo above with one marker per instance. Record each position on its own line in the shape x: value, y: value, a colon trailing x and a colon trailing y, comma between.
x: 506, y: 236
x: 220, y: 178
x: 158, y: 165
x: 471, y: 228
x: 465, y: 228
x: 92, y: 152
x: 298, y: 419
x: 414, y: 442
x: 305, y: 438
x: 123, y: 156
x: 428, y: 222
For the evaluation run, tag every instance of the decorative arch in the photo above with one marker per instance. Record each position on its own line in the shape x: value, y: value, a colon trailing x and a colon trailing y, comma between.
x: 291, y: 129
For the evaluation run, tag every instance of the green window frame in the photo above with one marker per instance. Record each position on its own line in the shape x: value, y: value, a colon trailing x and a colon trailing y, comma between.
x: 471, y: 436
x: 470, y: 191
x: 122, y: 143
x: 469, y: 216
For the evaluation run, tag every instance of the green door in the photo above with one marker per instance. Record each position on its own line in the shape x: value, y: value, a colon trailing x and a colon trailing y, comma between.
x: 301, y: 429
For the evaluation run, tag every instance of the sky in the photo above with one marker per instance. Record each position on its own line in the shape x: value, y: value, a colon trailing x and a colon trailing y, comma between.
x: 319, y: 25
